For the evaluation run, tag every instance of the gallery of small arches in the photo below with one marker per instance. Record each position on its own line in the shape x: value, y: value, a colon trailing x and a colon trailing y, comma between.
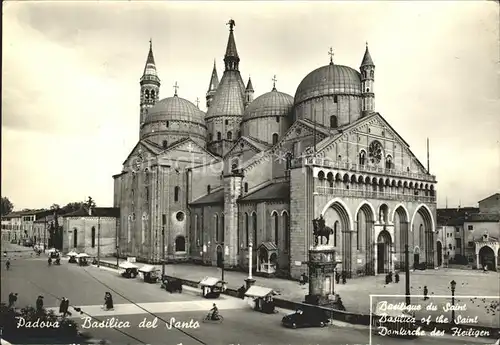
x: 365, y: 252
x: 347, y: 181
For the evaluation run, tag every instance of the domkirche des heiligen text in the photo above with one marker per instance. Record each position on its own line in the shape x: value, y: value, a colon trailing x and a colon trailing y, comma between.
x: 253, y: 174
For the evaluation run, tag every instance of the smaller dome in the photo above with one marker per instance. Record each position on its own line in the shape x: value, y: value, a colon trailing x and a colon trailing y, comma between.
x: 175, y: 108
x: 273, y: 103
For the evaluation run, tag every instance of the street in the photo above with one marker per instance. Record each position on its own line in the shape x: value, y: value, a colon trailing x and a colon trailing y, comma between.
x: 85, y: 287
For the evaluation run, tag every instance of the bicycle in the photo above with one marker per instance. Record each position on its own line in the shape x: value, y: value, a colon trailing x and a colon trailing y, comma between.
x: 208, y: 318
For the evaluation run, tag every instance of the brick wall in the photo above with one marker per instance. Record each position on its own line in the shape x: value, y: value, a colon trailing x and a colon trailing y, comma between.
x: 83, y: 227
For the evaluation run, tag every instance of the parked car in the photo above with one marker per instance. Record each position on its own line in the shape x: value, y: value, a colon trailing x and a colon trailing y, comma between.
x: 28, y: 243
x: 306, y: 318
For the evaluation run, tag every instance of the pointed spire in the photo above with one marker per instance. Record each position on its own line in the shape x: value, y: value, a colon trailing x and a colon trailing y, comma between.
x: 367, y: 59
x: 274, y: 83
x: 231, y: 58
x: 249, y: 85
x: 214, y: 79
x: 150, y: 75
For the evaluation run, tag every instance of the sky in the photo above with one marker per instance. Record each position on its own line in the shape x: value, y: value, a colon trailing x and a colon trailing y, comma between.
x: 70, y: 80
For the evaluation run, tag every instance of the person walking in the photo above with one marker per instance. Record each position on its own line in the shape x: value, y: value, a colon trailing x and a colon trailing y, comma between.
x: 426, y: 292
x: 39, y: 304
x: 12, y: 299
x: 63, y: 307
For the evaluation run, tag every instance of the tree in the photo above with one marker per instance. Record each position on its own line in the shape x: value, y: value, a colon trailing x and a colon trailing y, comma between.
x: 55, y: 230
x: 7, y: 206
x: 73, y: 206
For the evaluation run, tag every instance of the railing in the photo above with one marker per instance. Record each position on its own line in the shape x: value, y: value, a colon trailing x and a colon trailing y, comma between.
x: 299, y: 162
x: 368, y: 194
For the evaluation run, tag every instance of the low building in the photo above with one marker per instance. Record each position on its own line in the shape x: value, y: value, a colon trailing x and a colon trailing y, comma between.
x: 91, y: 231
x: 476, y: 235
x: 450, y: 234
x: 41, y: 226
x: 11, y: 226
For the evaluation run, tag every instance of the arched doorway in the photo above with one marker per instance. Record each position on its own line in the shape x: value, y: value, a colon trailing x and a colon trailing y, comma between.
x: 439, y: 248
x: 487, y: 258
x: 220, y: 256
x: 422, y: 225
x: 416, y: 257
x: 180, y: 244
x: 364, y: 236
x: 400, y: 221
x: 384, y: 252
x: 334, y: 212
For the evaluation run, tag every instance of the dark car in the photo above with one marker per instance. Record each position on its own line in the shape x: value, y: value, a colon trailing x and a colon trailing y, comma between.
x: 305, y: 319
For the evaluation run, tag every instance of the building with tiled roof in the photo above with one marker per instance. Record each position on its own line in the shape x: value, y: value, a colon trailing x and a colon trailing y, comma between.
x: 257, y: 171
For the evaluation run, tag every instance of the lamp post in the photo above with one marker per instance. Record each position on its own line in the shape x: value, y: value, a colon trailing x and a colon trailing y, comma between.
x: 98, y: 241
x: 222, y: 263
x: 407, y: 275
x: 453, y: 284
x: 163, y: 221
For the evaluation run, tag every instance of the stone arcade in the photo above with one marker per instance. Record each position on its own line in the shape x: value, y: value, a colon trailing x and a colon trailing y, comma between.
x: 259, y: 170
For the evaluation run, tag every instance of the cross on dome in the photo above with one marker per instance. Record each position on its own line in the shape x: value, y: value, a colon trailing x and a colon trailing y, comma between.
x: 274, y: 82
x: 330, y: 52
x: 197, y: 102
x: 176, y: 87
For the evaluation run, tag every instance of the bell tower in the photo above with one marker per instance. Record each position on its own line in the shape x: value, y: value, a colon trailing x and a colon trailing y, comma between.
x: 367, y: 70
x: 150, y: 86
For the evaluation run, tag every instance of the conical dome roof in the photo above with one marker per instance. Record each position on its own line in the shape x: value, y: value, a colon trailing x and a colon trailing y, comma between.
x: 229, y: 98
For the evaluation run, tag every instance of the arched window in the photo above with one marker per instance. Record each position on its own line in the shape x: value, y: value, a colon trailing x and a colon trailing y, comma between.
x: 147, y: 94
x: 153, y: 95
x: 247, y: 230
x: 219, y: 136
x: 275, y: 138
x: 288, y: 161
x: 335, y: 99
x: 180, y: 244
x: 372, y: 74
x: 167, y: 124
x: 222, y: 227
x: 75, y: 238
x: 208, y: 189
x: 210, y: 136
x: 177, y: 191
x: 216, y: 226
x: 362, y: 157
x: 246, y: 187
x: 229, y: 135
x: 388, y: 162
x: 286, y: 231
x: 276, y: 227
x: 93, y: 237
x: 254, y: 224
x: 165, y: 144
x: 333, y: 121
x: 336, y: 229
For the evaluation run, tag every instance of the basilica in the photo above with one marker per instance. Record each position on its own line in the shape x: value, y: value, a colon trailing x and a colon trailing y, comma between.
x: 252, y: 175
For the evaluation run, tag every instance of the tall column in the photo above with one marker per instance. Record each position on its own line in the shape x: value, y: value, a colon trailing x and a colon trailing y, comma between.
x: 477, y: 261
x: 232, y: 191
x: 375, y: 257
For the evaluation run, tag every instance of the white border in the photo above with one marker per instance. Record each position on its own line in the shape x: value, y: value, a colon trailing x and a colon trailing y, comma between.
x: 422, y: 296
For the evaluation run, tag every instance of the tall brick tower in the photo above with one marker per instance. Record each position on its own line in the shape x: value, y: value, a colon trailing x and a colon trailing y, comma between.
x: 367, y: 69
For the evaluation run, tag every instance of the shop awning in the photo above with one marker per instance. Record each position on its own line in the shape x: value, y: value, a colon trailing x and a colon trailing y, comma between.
x: 209, y: 281
x: 258, y: 291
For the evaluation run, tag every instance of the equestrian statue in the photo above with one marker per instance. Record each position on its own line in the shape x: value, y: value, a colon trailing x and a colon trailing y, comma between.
x: 320, y: 230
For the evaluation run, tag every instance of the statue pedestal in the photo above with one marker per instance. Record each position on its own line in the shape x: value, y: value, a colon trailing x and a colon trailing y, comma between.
x: 322, y: 263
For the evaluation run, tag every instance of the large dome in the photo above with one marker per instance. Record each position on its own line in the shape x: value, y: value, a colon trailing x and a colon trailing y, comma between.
x: 273, y: 103
x: 175, y: 109
x: 329, y: 80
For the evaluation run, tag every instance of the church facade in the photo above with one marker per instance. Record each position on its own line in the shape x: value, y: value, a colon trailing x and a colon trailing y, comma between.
x: 252, y: 174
